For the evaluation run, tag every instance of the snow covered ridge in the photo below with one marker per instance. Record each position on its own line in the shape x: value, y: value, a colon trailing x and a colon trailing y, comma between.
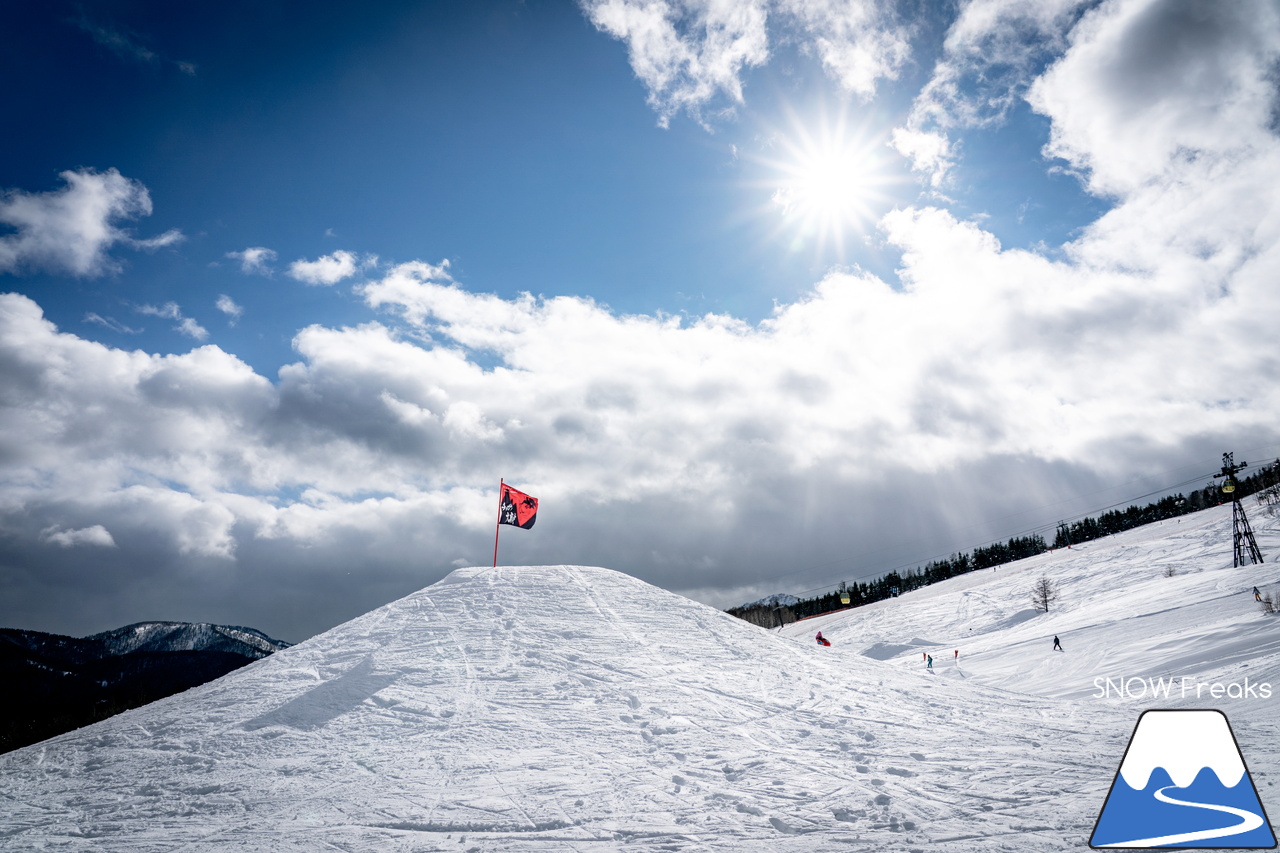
x: 58, y: 683
x: 564, y: 708
x: 778, y: 599
x: 188, y: 636
x: 147, y: 637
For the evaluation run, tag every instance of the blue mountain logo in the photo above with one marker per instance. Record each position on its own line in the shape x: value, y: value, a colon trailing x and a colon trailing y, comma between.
x: 1183, y: 783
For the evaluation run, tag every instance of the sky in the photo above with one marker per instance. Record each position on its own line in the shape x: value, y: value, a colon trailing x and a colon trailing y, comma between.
x: 754, y: 296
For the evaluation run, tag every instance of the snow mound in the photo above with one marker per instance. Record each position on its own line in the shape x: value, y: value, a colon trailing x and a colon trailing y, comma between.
x: 561, y: 708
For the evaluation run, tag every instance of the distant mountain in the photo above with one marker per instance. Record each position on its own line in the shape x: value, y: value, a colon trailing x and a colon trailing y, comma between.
x: 187, y: 637
x: 778, y: 599
x: 58, y: 683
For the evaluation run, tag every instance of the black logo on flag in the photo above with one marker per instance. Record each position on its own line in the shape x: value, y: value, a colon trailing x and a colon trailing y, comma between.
x: 517, y: 509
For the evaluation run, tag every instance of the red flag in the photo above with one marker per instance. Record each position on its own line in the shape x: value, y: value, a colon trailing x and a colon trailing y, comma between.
x: 517, y: 508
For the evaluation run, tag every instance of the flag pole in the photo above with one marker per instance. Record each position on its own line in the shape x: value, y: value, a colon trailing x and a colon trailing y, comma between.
x: 497, y: 524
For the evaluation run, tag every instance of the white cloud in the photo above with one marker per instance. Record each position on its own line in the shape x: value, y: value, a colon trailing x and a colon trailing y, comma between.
x: 686, y: 54
x: 254, y: 260
x: 857, y: 41
x: 192, y: 329
x: 384, y: 441
x: 127, y: 46
x: 96, y: 535
x: 928, y: 152
x: 1129, y: 84
x: 72, y: 229
x: 984, y: 383
x: 992, y: 53
x: 1150, y: 87
x: 171, y: 311
x: 110, y: 323
x: 691, y: 54
x: 169, y: 238
x: 325, y: 270
x: 122, y: 44
x: 228, y: 306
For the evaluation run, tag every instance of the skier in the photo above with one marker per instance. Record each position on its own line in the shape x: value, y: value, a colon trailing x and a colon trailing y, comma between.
x: 1257, y: 596
x: 957, y: 655
x: 823, y: 641
x: 1057, y: 647
x: 928, y: 662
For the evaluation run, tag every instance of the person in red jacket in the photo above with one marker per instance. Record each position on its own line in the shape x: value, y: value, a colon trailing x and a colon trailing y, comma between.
x: 823, y: 641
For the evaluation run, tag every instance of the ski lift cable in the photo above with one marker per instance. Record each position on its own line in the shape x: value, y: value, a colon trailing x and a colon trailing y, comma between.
x: 956, y: 531
x: 1027, y: 532
x: 1021, y: 533
x: 1035, y: 529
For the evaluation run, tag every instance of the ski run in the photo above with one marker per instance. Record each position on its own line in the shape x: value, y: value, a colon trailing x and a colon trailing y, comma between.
x: 566, y: 708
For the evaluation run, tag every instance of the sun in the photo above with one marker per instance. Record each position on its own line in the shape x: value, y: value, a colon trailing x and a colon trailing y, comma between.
x: 828, y: 183
x: 828, y: 187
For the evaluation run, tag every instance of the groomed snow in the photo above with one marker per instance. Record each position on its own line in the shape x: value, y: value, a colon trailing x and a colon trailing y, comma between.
x: 578, y: 709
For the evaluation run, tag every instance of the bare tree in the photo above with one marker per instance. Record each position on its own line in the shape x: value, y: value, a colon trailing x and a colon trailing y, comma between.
x: 1269, y: 500
x: 1268, y: 603
x: 1044, y: 593
x: 764, y: 615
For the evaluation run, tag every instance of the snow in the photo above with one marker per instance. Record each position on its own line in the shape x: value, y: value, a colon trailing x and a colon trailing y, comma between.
x: 1118, y: 616
x: 777, y: 599
x: 187, y: 636
x: 565, y: 708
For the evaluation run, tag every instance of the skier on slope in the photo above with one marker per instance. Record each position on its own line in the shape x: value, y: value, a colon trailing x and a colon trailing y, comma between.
x: 1057, y: 647
x: 823, y: 641
x: 1257, y: 596
x: 928, y: 662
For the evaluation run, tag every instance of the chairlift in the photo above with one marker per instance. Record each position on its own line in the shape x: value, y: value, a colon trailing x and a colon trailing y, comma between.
x: 844, y: 598
x: 1229, y: 485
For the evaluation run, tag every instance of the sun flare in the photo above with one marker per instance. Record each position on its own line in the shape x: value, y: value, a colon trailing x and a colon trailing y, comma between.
x: 828, y: 185
x: 825, y: 185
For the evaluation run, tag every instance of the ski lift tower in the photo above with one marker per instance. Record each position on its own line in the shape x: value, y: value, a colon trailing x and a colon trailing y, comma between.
x: 1245, y: 544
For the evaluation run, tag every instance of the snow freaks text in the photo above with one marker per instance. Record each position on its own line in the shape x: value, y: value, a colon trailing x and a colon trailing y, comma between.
x: 1182, y: 687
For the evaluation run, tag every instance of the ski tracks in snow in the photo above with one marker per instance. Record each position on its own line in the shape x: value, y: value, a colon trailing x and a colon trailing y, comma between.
x: 562, y: 709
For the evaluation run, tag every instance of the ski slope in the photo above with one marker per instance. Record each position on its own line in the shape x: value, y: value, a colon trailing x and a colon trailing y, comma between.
x: 577, y: 709
x: 1119, y: 615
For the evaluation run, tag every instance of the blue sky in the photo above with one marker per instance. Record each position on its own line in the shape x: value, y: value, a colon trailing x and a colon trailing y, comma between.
x: 511, y: 138
x: 320, y: 275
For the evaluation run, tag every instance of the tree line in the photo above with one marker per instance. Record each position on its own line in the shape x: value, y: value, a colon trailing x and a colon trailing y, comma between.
x: 1265, y: 481
x: 1262, y: 482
